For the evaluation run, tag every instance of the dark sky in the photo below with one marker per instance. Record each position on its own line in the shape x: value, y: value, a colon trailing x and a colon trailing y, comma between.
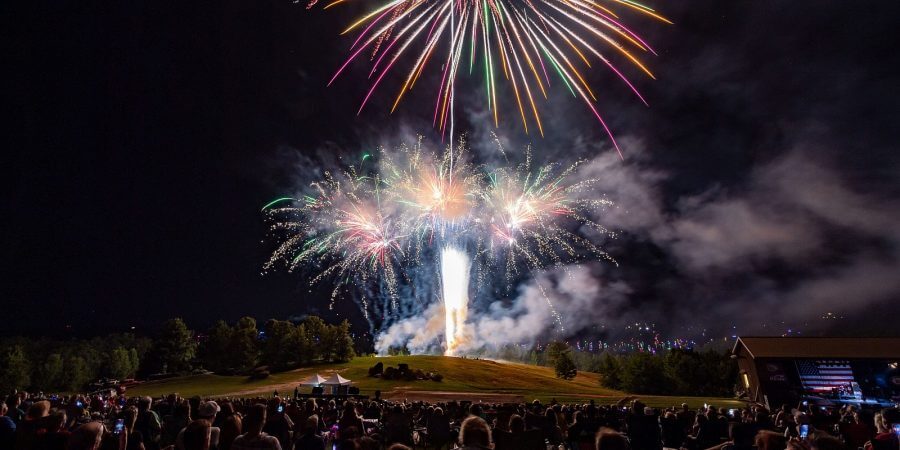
x: 761, y: 184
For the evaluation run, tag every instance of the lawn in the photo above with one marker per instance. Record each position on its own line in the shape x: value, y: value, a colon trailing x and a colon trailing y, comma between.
x: 460, y: 375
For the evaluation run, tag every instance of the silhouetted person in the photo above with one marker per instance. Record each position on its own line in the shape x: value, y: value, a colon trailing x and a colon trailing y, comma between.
x: 196, y: 436
x: 253, y: 437
x: 310, y: 439
x: 608, y: 439
x: 56, y: 436
x: 34, y: 423
x: 7, y: 428
x: 474, y: 434
x: 229, y: 430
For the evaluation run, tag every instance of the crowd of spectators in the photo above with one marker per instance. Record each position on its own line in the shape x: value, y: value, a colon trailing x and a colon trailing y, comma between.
x: 114, y: 422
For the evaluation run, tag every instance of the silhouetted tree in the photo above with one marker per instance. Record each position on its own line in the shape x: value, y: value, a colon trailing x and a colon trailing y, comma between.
x: 559, y: 354
x: 48, y: 375
x: 554, y: 349
x: 76, y: 373
x: 316, y: 331
x: 119, y: 364
x: 303, y: 346
x: 722, y: 371
x: 16, y: 369
x: 215, y: 353
x: 174, y: 348
x: 244, y: 347
x: 342, y: 342
x: 565, y: 366
x: 611, y: 371
x: 278, y: 350
x: 643, y: 373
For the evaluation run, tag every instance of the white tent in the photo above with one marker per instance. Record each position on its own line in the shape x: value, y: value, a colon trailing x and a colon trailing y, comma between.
x: 336, y: 380
x: 313, y: 381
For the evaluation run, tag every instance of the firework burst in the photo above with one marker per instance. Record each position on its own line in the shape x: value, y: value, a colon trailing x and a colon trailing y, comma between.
x: 336, y: 229
x: 418, y: 212
x: 529, y: 212
x: 528, y: 43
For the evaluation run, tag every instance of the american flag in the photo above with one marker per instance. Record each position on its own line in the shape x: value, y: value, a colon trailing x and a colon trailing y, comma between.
x: 825, y: 375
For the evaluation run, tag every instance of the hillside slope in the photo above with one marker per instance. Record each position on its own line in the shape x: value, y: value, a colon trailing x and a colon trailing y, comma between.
x: 476, y: 378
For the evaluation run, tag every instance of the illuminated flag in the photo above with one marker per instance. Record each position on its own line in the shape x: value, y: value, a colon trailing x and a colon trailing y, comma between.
x: 823, y: 376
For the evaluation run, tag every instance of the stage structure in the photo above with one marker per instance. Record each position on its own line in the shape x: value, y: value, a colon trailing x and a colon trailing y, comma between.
x: 821, y: 372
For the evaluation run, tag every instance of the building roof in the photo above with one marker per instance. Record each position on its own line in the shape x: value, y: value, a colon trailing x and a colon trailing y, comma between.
x: 819, y: 347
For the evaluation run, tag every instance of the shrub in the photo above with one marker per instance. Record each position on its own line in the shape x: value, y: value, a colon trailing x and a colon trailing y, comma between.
x: 565, y: 366
x: 376, y: 370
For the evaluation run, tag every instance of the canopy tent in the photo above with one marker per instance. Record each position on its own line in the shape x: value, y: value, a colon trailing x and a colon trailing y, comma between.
x: 336, y: 380
x: 313, y: 381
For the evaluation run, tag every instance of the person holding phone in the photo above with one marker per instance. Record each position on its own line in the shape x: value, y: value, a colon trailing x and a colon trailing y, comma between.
x: 119, y: 427
x: 858, y: 428
x: 135, y: 440
x: 800, y: 419
x: 889, y: 437
x: 278, y: 423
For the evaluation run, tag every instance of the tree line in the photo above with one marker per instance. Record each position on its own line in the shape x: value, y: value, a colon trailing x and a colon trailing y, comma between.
x: 708, y: 371
x: 68, y: 365
x: 674, y: 372
x: 55, y: 365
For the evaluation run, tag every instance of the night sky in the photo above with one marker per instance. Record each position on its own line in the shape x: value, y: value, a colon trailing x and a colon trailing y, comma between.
x: 761, y: 185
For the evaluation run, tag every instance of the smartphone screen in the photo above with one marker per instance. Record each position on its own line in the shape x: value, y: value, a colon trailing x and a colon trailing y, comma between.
x: 120, y: 425
x: 280, y: 408
x: 805, y: 403
x: 79, y: 403
x: 897, y: 429
x: 804, y: 431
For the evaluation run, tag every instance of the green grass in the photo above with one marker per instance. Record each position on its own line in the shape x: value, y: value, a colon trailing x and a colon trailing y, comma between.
x: 460, y: 375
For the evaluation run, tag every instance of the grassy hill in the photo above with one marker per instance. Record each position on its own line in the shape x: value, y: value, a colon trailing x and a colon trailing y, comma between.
x: 475, y: 377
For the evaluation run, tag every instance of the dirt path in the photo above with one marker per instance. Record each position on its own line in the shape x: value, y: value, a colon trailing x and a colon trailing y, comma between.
x: 442, y: 396
x: 399, y: 393
x: 282, y: 388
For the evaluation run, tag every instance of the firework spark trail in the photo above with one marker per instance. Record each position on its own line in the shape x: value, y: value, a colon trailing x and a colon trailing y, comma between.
x: 418, y: 212
x: 519, y: 36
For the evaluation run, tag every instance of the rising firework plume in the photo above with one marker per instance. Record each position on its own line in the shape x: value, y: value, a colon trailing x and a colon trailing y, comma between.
x: 529, y: 43
x: 440, y: 214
